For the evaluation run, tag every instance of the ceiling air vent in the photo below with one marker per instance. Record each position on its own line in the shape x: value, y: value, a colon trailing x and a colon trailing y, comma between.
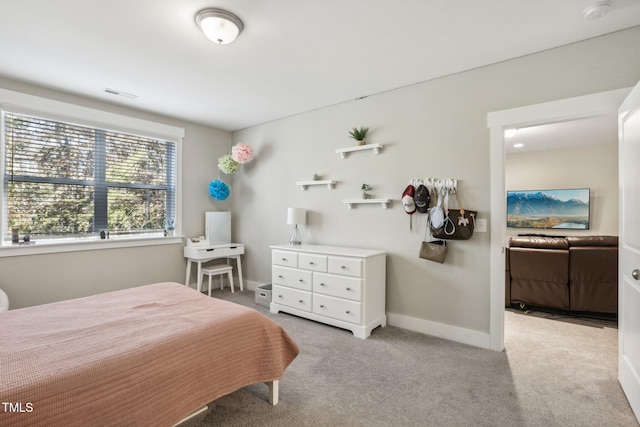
x: 120, y: 93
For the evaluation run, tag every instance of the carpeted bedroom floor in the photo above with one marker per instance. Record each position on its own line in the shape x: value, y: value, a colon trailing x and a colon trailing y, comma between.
x: 556, y: 371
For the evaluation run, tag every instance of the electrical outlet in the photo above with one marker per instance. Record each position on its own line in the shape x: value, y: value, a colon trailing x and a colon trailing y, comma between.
x: 481, y: 225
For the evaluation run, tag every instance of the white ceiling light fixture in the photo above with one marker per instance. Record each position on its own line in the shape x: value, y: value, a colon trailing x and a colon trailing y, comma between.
x: 218, y: 25
x: 596, y: 10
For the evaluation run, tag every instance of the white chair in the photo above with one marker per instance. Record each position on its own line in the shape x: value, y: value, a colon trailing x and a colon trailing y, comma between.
x: 218, y: 270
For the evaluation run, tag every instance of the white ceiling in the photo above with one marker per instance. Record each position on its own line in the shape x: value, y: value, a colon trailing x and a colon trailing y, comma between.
x: 293, y: 56
x: 596, y: 130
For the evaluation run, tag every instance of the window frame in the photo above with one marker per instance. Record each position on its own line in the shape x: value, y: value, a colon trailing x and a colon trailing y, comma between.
x: 21, y: 103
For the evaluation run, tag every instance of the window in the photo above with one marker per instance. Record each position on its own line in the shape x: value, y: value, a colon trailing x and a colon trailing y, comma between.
x: 64, y: 180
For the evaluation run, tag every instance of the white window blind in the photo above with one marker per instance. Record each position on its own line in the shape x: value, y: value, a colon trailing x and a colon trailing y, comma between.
x: 68, y: 180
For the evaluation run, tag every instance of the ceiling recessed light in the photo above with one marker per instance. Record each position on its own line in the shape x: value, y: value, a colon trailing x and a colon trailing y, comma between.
x: 518, y: 145
x: 596, y: 10
x: 510, y: 133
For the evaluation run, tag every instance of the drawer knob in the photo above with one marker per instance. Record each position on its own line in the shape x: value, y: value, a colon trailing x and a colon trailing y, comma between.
x: 300, y: 301
x: 280, y: 296
x: 321, y: 305
x: 280, y: 276
x: 322, y: 284
x: 300, y: 280
x: 284, y: 259
x: 348, y: 312
x: 344, y: 267
x: 348, y: 289
x: 310, y: 262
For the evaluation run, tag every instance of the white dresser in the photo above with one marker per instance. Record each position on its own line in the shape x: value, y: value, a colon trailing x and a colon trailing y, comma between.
x: 343, y: 287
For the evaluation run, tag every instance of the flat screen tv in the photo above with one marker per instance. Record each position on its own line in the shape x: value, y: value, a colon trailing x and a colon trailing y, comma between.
x: 549, y: 209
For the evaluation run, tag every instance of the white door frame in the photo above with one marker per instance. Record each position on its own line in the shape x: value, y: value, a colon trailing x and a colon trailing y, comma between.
x: 498, y: 121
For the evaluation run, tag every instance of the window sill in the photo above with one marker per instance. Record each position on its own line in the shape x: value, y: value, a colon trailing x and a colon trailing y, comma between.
x: 76, y: 245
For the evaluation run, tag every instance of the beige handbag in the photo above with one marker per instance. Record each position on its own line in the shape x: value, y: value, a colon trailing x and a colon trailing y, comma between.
x: 433, y: 250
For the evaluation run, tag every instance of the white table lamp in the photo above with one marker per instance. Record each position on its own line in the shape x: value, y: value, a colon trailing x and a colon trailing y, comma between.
x: 295, y: 217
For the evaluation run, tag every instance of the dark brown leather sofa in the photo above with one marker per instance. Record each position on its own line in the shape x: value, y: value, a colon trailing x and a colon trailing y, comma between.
x: 563, y: 273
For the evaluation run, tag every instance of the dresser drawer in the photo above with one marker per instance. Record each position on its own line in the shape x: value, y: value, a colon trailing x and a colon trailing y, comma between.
x: 299, y: 279
x: 348, y: 311
x: 312, y: 262
x: 345, y: 266
x: 288, y: 259
x: 337, y: 286
x: 291, y: 297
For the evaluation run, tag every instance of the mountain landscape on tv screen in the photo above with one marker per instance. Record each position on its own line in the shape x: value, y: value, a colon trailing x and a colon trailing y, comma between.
x: 540, y: 209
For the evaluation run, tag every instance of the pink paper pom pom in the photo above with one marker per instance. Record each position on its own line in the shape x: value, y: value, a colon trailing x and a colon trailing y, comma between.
x: 242, y: 153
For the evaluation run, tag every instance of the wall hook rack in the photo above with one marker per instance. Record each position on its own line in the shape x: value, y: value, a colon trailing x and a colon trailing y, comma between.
x: 435, y: 185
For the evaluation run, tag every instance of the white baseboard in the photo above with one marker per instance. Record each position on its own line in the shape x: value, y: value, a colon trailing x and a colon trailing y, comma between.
x: 251, y: 285
x: 440, y: 330
x: 427, y: 327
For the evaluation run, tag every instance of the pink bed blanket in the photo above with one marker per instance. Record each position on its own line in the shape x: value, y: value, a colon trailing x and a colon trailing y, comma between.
x: 146, y: 356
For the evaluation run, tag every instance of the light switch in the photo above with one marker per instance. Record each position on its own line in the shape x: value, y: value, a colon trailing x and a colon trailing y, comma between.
x: 481, y: 225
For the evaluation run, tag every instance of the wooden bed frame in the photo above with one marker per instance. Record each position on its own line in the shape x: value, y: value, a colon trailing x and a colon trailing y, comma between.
x: 150, y: 355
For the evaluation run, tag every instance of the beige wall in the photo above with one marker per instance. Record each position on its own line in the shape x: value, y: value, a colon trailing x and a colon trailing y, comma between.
x: 595, y: 167
x: 38, y: 279
x: 433, y: 129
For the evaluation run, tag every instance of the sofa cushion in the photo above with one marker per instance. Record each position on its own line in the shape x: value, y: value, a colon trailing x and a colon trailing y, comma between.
x: 539, y: 277
x: 539, y: 242
x: 576, y: 241
x: 593, y: 278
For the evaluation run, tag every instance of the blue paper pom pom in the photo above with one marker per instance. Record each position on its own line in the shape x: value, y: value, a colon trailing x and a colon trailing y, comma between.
x: 218, y: 190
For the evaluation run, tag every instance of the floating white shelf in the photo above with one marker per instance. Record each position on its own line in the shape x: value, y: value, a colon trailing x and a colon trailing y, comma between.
x: 304, y: 184
x: 351, y: 202
x: 344, y: 151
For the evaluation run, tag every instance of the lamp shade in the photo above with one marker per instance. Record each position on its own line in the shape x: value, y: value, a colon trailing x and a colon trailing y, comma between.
x: 296, y: 216
x: 218, y: 25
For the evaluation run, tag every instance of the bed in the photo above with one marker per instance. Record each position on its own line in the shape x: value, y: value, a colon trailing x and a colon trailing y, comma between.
x: 149, y: 355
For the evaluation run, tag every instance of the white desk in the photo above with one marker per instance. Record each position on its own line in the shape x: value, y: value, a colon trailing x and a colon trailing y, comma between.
x: 203, y: 254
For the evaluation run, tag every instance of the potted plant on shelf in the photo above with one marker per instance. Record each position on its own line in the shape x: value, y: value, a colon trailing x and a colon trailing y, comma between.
x: 358, y: 134
x: 365, y: 188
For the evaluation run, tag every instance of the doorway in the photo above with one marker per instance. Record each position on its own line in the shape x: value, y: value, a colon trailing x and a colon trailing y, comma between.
x: 546, y: 113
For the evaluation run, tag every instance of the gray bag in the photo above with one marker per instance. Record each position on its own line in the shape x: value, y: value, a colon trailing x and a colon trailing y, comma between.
x: 433, y: 250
